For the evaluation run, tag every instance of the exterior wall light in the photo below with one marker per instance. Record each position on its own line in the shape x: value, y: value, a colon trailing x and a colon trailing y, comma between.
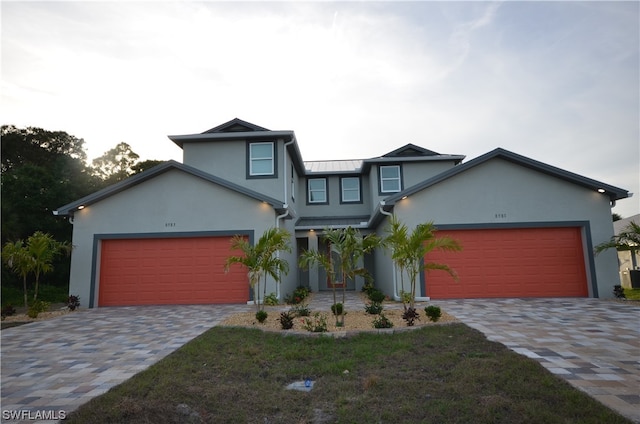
x: 601, y: 190
x: 80, y: 207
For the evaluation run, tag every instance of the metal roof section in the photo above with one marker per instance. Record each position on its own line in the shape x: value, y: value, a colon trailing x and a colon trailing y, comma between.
x: 321, y: 222
x: 333, y: 166
x: 69, y: 209
x: 407, y: 153
x: 614, y: 193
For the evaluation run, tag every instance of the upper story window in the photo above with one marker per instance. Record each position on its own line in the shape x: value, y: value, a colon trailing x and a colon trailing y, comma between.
x: 317, y: 190
x: 390, y: 179
x: 261, y: 159
x: 350, y: 189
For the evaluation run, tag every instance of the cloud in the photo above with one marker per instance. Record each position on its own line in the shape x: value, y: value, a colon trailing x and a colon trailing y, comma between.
x: 557, y: 81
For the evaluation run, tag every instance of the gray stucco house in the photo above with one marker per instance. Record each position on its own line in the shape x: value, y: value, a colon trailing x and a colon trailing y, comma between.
x: 162, y: 236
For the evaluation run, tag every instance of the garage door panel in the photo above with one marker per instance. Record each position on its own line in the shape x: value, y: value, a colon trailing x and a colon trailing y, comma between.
x: 169, y: 271
x: 531, y: 262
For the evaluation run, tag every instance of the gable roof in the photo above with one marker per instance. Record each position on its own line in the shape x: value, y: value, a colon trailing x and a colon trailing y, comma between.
x: 235, y: 125
x: 410, y: 150
x: 69, y: 209
x: 236, y: 129
x: 614, y: 193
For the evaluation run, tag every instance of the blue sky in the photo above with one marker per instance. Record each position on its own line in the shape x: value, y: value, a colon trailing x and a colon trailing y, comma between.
x: 554, y: 81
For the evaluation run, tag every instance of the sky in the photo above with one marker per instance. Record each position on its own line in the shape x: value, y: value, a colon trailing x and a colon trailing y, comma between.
x: 558, y: 82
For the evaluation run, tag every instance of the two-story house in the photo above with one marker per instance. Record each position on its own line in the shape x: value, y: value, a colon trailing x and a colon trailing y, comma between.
x: 162, y: 236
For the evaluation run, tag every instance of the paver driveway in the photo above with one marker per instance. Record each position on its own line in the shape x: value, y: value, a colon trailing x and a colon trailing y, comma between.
x: 59, y: 364
x: 594, y: 344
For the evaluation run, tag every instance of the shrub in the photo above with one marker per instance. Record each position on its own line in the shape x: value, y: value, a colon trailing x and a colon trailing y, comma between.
x: 382, y: 322
x: 7, y: 311
x: 298, y: 295
x: 410, y: 316
x: 261, y: 316
x: 316, y: 324
x: 286, y: 320
x: 301, y: 310
x: 433, y: 312
x: 367, y: 288
x: 271, y: 299
x: 376, y: 296
x: 373, y: 308
x: 37, y: 307
x: 618, y: 292
x: 73, y: 302
x: 337, y: 309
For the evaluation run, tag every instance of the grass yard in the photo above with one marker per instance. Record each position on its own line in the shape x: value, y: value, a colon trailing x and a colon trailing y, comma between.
x: 632, y: 294
x: 438, y: 374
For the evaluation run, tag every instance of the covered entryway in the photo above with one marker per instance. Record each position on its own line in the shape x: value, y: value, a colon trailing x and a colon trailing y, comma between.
x: 511, y: 262
x: 162, y: 271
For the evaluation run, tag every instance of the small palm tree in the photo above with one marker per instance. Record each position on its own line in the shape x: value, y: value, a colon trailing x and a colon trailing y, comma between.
x: 349, y: 246
x: 628, y: 239
x: 410, y: 249
x: 43, y: 248
x: 17, y: 258
x: 261, y: 259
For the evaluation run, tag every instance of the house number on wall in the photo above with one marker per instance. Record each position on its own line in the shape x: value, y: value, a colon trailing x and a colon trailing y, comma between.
x: 501, y: 215
x: 169, y: 224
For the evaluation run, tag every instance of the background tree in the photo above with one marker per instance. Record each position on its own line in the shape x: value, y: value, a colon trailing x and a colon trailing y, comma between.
x: 116, y: 164
x: 41, y: 171
x: 145, y: 165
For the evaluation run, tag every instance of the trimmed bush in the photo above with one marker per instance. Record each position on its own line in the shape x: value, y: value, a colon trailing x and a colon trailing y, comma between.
x: 433, y: 312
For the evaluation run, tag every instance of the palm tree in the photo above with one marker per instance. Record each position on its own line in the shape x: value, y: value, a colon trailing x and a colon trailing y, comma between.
x: 410, y: 249
x: 627, y: 239
x: 349, y: 247
x: 17, y: 258
x: 261, y: 259
x: 43, y: 248
x: 271, y: 243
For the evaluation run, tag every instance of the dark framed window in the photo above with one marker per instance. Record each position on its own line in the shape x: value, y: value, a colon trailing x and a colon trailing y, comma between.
x: 317, y: 191
x: 262, y: 159
x: 390, y: 179
x: 350, y: 190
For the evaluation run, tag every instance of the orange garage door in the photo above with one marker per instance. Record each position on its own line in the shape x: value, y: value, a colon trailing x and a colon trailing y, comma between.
x: 160, y: 271
x: 529, y: 262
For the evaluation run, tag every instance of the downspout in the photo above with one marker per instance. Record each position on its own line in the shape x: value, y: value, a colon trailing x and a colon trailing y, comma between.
x: 395, y: 282
x: 396, y: 296
x: 285, y: 205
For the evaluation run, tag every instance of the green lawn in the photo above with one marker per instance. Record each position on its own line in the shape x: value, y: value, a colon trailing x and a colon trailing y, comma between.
x: 436, y: 374
x: 632, y: 294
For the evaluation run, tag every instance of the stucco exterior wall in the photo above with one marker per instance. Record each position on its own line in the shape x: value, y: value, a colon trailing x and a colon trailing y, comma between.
x: 228, y: 160
x: 174, y: 202
x: 334, y: 208
x: 412, y: 174
x: 500, y: 192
